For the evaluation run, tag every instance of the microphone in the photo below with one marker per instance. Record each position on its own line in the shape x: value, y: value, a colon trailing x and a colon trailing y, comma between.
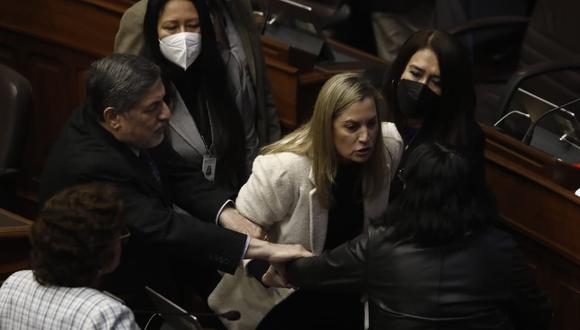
x: 528, y: 136
x: 513, y: 112
x: 232, y: 315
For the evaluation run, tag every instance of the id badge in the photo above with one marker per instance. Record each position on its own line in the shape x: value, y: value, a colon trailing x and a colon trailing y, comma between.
x: 208, y: 167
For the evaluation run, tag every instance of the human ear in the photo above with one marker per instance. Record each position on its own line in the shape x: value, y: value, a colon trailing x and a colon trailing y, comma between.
x: 111, y: 118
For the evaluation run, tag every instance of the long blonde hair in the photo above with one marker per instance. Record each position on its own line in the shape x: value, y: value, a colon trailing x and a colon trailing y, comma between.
x: 315, y: 138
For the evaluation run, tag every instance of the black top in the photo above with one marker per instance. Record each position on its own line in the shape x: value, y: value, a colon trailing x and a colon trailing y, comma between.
x: 412, y: 139
x: 345, y: 216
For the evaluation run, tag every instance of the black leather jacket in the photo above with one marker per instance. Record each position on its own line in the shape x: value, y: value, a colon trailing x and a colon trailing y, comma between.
x: 477, y: 282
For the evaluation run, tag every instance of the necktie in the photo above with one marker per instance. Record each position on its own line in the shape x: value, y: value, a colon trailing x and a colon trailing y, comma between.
x: 146, y: 157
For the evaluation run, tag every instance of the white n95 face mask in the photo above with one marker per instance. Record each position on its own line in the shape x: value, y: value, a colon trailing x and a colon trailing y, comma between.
x: 181, y: 48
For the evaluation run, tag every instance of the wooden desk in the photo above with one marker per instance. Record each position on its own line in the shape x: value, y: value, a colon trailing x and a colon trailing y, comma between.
x: 296, y: 79
x: 537, y: 204
x: 14, y: 245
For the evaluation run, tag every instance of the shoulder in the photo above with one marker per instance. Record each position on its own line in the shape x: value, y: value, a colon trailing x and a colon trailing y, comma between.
x: 136, y: 12
x: 102, y: 311
x: 18, y: 279
x: 393, y: 143
x: 102, y: 164
x: 283, y: 162
x: 391, y: 134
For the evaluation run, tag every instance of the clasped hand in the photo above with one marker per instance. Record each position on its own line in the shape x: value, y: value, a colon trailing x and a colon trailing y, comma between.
x: 276, y: 276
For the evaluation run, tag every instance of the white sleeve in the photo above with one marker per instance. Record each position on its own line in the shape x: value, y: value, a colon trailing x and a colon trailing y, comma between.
x: 393, y: 144
x: 268, y: 195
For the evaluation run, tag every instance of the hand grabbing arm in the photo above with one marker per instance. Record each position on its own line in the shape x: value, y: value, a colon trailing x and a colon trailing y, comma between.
x: 231, y: 219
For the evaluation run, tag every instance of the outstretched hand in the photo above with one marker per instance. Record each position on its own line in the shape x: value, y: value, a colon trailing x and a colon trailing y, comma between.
x: 280, y: 253
x: 275, y: 253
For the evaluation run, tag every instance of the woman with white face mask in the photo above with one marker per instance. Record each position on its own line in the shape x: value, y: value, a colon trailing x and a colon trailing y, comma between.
x: 206, y: 127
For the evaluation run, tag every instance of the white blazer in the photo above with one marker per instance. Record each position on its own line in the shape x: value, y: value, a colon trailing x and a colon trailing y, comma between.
x: 281, y: 196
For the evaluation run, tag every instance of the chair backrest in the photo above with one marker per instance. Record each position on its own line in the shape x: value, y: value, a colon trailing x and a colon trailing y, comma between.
x: 15, y: 102
x: 552, y: 35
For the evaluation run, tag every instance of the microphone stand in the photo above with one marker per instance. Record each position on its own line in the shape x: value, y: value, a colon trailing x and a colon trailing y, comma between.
x: 232, y: 315
x: 528, y: 136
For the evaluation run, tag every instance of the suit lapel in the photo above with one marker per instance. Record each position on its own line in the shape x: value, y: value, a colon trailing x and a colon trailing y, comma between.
x: 183, y: 124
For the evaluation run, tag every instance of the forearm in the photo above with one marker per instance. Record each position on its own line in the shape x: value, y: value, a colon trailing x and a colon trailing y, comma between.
x: 342, y: 267
x: 274, y: 253
x: 259, y: 249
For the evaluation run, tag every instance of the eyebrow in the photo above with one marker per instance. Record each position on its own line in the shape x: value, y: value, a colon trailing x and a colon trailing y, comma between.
x: 177, y: 20
x: 413, y: 66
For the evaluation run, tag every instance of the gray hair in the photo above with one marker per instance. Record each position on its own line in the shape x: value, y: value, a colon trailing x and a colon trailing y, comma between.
x: 119, y: 81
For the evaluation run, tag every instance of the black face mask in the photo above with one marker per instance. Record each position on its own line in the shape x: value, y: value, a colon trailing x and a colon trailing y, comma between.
x: 415, y: 99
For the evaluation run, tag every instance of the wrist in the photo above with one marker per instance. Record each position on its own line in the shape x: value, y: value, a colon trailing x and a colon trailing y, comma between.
x: 258, y: 249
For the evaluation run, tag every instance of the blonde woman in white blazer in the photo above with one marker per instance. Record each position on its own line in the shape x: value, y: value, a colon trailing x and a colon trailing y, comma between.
x: 290, y: 191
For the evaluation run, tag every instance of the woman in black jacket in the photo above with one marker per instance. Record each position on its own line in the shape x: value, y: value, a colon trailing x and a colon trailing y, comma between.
x: 430, y: 97
x: 436, y: 261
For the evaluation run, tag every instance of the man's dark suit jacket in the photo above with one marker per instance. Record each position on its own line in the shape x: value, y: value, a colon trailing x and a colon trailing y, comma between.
x: 477, y: 282
x: 86, y: 152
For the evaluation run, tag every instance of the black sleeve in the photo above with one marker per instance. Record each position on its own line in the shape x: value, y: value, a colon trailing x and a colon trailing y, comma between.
x: 191, y: 191
x: 185, y: 236
x: 343, y: 267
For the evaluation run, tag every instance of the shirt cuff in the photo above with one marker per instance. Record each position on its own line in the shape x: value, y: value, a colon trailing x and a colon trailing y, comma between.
x: 230, y: 203
x: 248, y: 238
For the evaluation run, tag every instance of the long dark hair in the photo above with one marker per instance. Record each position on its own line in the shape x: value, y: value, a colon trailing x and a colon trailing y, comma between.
x: 444, y: 197
x: 454, y: 121
x: 206, y: 75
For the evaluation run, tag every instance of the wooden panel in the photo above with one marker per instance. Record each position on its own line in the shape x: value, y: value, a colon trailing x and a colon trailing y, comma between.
x: 87, y: 26
x: 296, y: 77
x: 8, y: 55
x: 14, y: 246
x: 548, y: 221
x: 559, y: 278
x: 52, y: 43
x: 284, y: 81
x: 543, y: 215
x: 568, y: 300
